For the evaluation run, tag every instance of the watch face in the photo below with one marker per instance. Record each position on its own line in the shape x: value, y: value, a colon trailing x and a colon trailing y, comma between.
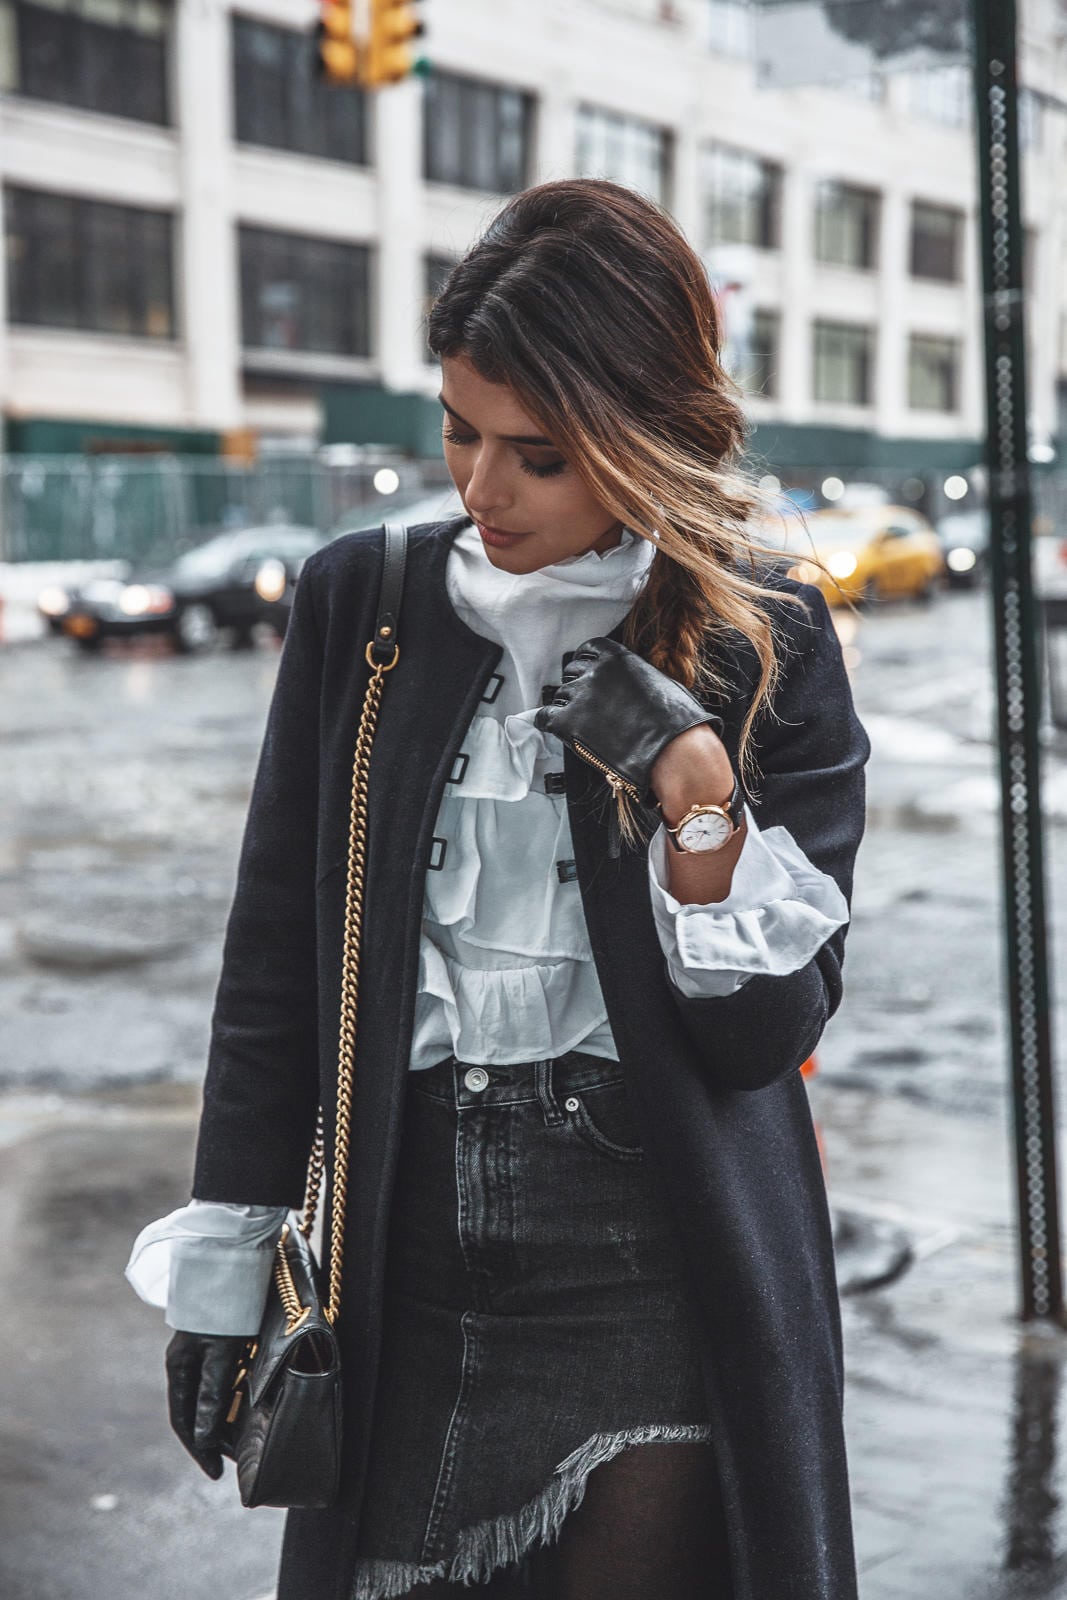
x: 707, y: 831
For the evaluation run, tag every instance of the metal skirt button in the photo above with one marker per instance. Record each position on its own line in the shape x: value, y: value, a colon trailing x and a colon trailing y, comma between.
x: 476, y: 1078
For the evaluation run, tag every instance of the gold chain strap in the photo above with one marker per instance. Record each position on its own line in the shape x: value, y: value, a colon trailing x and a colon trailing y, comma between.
x: 357, y: 862
x: 295, y: 1311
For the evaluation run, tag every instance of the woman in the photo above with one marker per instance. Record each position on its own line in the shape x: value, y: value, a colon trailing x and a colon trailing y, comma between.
x: 589, y: 1319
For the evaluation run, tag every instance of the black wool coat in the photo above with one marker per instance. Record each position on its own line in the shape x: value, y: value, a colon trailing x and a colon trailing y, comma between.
x: 727, y: 1128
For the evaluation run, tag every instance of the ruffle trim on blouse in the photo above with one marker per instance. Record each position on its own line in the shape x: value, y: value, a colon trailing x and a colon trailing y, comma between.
x: 780, y: 910
x: 518, y: 822
x: 510, y: 909
x: 504, y: 760
x: 505, y: 943
x: 481, y: 1004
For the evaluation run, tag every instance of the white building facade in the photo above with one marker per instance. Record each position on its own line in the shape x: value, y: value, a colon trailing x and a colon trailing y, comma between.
x: 204, y: 244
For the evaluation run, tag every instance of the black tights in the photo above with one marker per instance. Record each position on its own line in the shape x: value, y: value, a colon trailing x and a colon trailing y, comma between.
x: 650, y: 1527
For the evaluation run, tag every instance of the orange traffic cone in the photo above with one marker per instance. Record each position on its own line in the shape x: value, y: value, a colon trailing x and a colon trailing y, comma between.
x: 807, y: 1071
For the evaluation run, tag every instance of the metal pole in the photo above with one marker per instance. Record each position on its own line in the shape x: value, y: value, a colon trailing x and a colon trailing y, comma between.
x: 1018, y: 679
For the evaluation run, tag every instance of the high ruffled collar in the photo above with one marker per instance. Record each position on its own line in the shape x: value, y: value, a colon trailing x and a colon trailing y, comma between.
x: 596, y: 558
x: 537, y: 616
x: 618, y: 572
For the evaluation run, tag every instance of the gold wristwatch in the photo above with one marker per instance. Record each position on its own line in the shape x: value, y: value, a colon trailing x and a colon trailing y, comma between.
x: 708, y: 827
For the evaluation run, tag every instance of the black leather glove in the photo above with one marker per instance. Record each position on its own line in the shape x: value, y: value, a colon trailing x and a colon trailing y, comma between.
x: 201, y: 1369
x: 616, y: 710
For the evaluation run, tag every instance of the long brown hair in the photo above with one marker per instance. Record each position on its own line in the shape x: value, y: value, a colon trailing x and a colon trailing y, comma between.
x: 586, y: 299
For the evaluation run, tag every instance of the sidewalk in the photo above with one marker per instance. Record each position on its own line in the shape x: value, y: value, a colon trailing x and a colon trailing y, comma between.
x: 100, y: 1500
x: 952, y: 1409
x: 951, y: 1413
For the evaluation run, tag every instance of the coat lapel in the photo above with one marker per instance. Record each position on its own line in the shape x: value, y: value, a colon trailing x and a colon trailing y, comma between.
x: 427, y: 704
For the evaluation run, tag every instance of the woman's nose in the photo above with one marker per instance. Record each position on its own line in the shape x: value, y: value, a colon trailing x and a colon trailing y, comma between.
x: 487, y: 492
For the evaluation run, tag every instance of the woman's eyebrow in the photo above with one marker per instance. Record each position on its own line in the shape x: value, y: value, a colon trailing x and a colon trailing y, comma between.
x: 508, y: 438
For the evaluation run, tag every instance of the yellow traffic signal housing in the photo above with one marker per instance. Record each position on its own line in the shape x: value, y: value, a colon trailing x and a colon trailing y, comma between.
x: 339, y: 54
x: 393, y: 24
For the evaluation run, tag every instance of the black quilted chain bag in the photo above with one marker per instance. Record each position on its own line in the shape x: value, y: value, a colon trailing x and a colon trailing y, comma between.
x: 283, y: 1428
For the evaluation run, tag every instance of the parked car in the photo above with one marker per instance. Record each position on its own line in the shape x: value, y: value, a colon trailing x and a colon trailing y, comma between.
x: 222, y: 587
x: 964, y: 539
x: 871, y: 553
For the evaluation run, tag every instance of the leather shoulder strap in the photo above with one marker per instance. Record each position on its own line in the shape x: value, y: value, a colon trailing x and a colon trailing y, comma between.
x: 385, y: 641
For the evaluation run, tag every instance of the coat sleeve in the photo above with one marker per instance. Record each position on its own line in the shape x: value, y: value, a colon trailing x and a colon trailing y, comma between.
x: 262, y: 1083
x: 812, y: 750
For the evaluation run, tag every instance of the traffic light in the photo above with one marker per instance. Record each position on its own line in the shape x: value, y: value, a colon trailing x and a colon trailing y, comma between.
x: 393, y: 24
x: 339, y: 54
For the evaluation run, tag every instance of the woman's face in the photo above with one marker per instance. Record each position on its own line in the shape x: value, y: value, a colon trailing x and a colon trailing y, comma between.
x: 512, y: 479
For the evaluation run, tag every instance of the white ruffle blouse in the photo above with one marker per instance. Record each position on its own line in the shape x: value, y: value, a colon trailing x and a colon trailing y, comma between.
x: 505, y: 968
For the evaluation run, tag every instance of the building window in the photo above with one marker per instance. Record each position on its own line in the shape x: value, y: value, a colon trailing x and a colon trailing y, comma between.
x: 742, y: 198
x: 933, y: 373
x: 758, y: 369
x: 303, y: 294
x: 98, y: 55
x: 844, y: 362
x: 846, y: 224
x: 83, y: 264
x: 731, y: 28
x: 624, y: 149
x: 279, y: 100
x: 435, y: 270
x: 476, y: 135
x: 936, y: 232
x: 941, y: 94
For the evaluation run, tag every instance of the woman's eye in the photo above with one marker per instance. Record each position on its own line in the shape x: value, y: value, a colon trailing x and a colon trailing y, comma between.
x: 548, y: 471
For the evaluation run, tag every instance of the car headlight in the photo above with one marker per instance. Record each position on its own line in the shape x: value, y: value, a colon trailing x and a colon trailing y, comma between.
x: 842, y: 563
x: 145, y: 599
x: 960, y: 559
x: 53, y: 601
x: 271, y: 580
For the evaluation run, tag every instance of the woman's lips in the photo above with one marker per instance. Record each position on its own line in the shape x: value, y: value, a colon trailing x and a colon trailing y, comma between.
x: 497, y: 538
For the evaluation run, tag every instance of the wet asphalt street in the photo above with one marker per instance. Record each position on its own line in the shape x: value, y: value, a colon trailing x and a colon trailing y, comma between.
x: 125, y: 785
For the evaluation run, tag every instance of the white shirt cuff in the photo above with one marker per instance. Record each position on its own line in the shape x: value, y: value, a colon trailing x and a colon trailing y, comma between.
x: 208, y: 1264
x: 780, y: 910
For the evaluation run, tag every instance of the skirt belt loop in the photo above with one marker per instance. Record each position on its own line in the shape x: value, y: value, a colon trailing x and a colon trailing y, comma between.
x: 543, y: 1079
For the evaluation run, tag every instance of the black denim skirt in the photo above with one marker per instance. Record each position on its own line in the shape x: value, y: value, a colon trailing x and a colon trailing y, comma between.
x: 537, y: 1323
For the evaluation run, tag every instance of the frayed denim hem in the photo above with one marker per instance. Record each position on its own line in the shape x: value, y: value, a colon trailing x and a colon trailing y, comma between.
x: 489, y: 1545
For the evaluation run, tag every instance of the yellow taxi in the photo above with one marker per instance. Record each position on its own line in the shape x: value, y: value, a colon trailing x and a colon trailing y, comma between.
x: 871, y: 553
